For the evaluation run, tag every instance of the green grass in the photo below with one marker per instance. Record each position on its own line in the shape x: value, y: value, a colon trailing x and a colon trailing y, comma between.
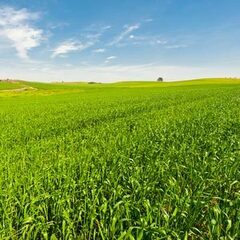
x: 6, y: 85
x: 138, y: 160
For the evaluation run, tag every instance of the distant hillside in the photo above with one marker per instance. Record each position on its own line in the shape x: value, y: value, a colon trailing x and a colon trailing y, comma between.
x: 10, y: 84
x: 26, y: 86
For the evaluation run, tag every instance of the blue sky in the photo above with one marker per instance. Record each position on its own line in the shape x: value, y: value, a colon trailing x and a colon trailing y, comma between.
x: 111, y: 40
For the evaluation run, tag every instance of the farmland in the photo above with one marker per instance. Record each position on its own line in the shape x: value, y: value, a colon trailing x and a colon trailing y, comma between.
x: 140, y: 160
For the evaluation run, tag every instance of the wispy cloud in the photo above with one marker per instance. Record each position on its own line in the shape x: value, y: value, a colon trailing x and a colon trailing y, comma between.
x: 11, y: 16
x: 156, y: 41
x: 110, y: 58
x: 69, y: 46
x: 104, y: 28
x: 87, y: 39
x: 16, y: 26
x: 147, y: 40
x: 99, y: 50
x: 148, y: 20
x: 128, y: 36
x: 97, y: 28
x: 175, y: 46
x: 128, y: 29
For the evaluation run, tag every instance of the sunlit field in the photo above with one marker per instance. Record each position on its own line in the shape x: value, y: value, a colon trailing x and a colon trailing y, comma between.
x: 133, y: 160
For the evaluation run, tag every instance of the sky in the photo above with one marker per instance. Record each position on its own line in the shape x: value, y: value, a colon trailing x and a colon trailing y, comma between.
x: 113, y: 40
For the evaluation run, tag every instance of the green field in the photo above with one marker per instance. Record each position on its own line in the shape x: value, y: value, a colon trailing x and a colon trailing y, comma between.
x: 140, y: 160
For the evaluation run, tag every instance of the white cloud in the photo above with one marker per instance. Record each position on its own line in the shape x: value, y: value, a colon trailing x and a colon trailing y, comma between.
x: 23, y: 39
x: 15, y: 25
x: 127, y: 30
x: 176, y: 46
x: 126, y: 37
x: 161, y: 42
x: 111, y: 57
x: 99, y: 50
x: 11, y: 16
x: 108, y: 59
x: 148, y: 20
x: 68, y: 46
x: 146, y: 40
x: 87, y: 39
x: 106, y: 27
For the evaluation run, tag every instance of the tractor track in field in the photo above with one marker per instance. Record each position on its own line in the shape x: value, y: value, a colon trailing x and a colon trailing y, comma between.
x: 16, y: 90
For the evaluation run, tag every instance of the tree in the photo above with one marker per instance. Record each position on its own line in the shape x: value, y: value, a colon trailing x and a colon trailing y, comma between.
x: 160, y: 79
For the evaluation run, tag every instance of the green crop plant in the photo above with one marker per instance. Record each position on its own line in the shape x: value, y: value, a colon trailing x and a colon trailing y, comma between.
x: 120, y: 161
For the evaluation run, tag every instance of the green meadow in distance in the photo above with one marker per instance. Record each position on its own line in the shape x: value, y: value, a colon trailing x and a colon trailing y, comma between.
x: 129, y: 160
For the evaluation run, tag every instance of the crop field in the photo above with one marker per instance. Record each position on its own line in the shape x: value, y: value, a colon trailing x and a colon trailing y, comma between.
x: 140, y: 160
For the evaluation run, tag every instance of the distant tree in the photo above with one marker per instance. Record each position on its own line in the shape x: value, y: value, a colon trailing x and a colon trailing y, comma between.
x: 160, y: 79
x: 94, y: 82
